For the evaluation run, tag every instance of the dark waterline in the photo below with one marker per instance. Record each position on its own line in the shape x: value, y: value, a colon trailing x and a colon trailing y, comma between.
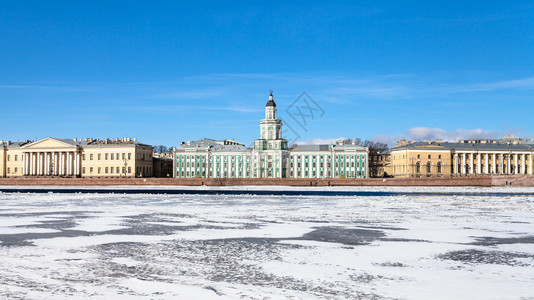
x: 255, y: 192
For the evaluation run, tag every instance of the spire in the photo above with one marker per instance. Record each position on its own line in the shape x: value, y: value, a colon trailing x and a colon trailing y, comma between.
x: 271, y: 100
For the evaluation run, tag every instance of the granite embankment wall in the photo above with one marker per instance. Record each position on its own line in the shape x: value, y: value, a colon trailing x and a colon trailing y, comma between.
x: 501, y: 180
x: 516, y: 180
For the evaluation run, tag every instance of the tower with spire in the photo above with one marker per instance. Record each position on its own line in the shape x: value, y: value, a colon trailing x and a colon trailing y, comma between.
x: 270, y: 150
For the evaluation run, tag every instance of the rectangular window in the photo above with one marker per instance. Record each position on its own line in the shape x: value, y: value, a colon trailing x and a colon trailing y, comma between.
x: 106, y: 170
x: 91, y: 170
x: 83, y: 156
x: 106, y: 157
x: 111, y: 170
x: 8, y: 158
x: 112, y: 156
x: 429, y: 156
x: 99, y: 156
x: 117, y: 169
x: 129, y: 157
x: 418, y: 156
x: 83, y: 170
x: 15, y: 160
x: 129, y: 169
x: 8, y: 172
x: 98, y: 170
x: 91, y: 157
x: 123, y: 156
x: 15, y: 171
x: 123, y: 169
x: 439, y: 156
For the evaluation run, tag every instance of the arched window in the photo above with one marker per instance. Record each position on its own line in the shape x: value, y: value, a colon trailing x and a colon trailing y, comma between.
x: 428, y: 167
x: 439, y: 167
x: 418, y: 167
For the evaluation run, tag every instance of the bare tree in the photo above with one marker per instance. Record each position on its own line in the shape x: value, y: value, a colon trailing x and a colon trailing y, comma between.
x: 160, y: 149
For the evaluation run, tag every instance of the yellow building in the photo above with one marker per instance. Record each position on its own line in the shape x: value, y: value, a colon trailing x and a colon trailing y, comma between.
x: 76, y: 158
x: 465, y: 158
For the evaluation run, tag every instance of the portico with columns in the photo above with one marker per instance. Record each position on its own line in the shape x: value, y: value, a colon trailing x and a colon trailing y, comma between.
x: 518, y: 162
x: 51, y: 157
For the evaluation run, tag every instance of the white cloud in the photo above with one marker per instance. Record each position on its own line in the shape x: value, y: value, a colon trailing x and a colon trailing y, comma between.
x: 429, y: 133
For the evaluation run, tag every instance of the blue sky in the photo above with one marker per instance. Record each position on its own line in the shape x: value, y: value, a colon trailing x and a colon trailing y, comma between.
x: 166, y: 72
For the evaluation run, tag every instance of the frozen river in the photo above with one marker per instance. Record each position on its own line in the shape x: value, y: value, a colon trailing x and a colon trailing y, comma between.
x: 268, y: 243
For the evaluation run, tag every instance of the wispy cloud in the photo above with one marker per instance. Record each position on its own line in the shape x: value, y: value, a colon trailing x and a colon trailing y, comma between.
x: 522, y: 83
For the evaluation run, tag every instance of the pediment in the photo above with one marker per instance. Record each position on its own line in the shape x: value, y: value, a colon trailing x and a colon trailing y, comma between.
x: 49, y: 143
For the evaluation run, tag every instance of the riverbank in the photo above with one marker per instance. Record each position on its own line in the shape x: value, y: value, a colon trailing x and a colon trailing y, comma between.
x: 480, y: 181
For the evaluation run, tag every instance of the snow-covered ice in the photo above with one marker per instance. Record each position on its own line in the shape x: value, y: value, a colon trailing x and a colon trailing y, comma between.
x: 464, y: 244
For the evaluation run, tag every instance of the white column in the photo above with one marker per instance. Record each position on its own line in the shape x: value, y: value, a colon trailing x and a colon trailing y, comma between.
x: 478, y: 164
x: 508, y: 162
x: 72, y: 163
x: 523, y: 164
x: 55, y: 163
x: 502, y: 163
x: 31, y: 163
x: 69, y: 163
x: 76, y: 164
x: 39, y: 163
x: 530, y: 163
x: 515, y: 163
x: 471, y: 163
x: 60, y: 163
x: 455, y: 164
x: 494, y: 163
x: 45, y: 161
x: 487, y: 164
x: 464, y: 171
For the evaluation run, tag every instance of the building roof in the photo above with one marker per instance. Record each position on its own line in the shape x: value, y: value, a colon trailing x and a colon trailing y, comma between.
x: 478, y: 146
x: 302, y: 148
x: 271, y: 100
x: 326, y: 147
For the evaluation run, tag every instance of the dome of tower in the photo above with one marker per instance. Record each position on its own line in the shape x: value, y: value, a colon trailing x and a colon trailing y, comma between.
x: 271, y: 100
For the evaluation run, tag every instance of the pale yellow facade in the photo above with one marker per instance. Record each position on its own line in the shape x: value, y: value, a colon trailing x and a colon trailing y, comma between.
x: 466, y: 158
x: 76, y: 158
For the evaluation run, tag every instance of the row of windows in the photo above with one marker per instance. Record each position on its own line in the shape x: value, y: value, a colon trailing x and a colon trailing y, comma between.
x: 218, y: 165
x: 116, y: 170
x: 429, y: 156
x: 116, y: 156
x: 211, y: 158
x: 14, y: 156
x: 321, y: 173
x: 211, y: 173
x: 329, y: 164
x: 467, y: 169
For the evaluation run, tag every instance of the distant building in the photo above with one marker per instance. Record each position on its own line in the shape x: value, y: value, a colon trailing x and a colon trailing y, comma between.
x: 463, y: 158
x: 76, y: 158
x: 328, y: 161
x: 269, y: 158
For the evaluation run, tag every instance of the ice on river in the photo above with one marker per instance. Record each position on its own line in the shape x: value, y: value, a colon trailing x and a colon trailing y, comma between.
x: 465, y: 243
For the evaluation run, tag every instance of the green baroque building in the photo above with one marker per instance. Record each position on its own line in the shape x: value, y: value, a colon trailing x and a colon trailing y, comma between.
x: 269, y: 158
